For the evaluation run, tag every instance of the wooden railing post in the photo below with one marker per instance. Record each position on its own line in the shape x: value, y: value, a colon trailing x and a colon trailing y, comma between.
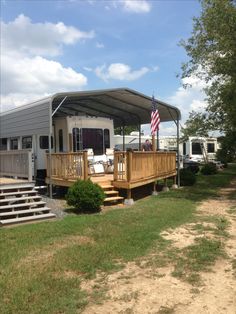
x: 115, y: 166
x: 85, y: 163
x: 129, y: 166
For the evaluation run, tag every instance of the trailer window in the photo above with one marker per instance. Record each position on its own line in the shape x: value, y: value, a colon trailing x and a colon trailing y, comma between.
x: 44, y: 143
x: 210, y: 147
x: 196, y: 149
x: 13, y: 143
x: 60, y: 136
x: 106, y: 138
x: 26, y: 142
x: 93, y: 138
x: 76, y: 135
x: 3, y: 143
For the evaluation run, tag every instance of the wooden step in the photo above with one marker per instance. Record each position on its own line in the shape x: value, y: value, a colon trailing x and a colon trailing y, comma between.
x: 18, y: 193
x: 113, y: 198
x: 25, y: 219
x: 25, y: 211
x: 111, y: 192
x: 29, y: 204
x: 107, y: 186
x: 15, y: 199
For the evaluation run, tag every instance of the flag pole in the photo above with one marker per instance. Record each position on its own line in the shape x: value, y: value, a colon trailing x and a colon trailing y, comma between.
x: 158, y: 139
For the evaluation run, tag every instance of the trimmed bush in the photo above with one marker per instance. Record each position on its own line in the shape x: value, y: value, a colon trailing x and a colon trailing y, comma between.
x: 85, y: 196
x: 209, y: 169
x: 187, y: 177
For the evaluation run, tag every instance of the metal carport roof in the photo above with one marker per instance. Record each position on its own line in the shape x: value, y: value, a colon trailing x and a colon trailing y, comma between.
x: 125, y: 106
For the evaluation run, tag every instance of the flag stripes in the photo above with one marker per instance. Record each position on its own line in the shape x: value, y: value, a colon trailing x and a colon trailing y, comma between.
x: 155, y: 117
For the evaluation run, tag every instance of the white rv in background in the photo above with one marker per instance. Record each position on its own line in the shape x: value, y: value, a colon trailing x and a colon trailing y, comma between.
x: 200, y: 149
x: 132, y: 141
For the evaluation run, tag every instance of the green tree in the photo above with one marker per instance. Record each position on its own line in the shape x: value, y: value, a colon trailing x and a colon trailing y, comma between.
x: 212, y: 56
x: 127, y: 129
x: 196, y: 125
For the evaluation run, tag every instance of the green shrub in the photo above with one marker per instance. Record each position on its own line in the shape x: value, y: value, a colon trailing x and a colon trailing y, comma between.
x: 209, y: 169
x: 187, y: 177
x: 85, y: 196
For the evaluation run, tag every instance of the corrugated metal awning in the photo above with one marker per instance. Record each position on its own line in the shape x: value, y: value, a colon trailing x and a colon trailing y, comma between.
x: 123, y: 105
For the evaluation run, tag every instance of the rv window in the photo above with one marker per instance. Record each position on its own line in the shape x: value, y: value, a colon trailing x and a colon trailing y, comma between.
x: 3, y: 143
x: 106, y: 139
x: 210, y: 147
x: 76, y: 134
x: 60, y: 136
x: 26, y: 142
x: 13, y: 143
x: 196, y: 149
x: 43, y: 142
x: 93, y: 138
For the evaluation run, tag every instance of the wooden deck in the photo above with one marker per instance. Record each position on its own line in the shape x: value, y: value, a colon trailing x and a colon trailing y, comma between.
x: 131, y: 169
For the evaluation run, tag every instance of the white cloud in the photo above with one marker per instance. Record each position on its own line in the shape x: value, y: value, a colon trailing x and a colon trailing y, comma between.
x: 99, y: 45
x: 26, y: 74
x: 136, y: 6
x: 31, y: 78
x: 120, y: 71
x: 190, y: 98
x: 23, y: 36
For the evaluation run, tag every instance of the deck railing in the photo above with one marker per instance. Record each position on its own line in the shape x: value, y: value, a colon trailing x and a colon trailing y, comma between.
x: 68, y: 165
x: 131, y: 169
x: 136, y: 166
x: 16, y: 163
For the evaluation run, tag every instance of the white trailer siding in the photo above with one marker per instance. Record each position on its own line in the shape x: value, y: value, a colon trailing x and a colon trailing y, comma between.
x: 29, y: 120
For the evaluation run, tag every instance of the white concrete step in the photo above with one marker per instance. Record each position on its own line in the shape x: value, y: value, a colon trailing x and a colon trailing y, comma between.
x: 29, y: 204
x: 17, y: 186
x: 24, y: 198
x: 24, y: 211
x: 26, y: 219
x: 27, y: 192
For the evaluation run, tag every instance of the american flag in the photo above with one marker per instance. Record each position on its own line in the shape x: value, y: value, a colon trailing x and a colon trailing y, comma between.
x: 155, y: 118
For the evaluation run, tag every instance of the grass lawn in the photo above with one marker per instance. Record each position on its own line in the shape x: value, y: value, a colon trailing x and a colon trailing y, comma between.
x: 42, y: 265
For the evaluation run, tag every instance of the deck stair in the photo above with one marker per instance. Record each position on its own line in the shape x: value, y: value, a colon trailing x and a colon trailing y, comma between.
x: 20, y: 202
x: 112, y: 196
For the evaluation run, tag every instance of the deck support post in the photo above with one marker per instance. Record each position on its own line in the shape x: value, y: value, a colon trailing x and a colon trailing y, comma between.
x: 129, y: 200
x: 165, y: 187
x: 154, y: 192
x: 174, y: 185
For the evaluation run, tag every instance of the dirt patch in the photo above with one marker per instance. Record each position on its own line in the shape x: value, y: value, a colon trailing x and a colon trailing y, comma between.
x: 186, y: 235
x: 138, y: 289
x: 41, y: 257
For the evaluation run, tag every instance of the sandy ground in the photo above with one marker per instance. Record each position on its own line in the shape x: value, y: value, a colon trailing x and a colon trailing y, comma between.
x: 137, y: 289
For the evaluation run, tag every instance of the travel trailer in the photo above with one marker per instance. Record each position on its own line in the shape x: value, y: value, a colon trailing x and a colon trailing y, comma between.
x: 70, y: 133
x: 200, y: 149
x: 132, y: 141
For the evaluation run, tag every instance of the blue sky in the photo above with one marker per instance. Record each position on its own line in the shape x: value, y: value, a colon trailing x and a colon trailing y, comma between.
x: 53, y: 46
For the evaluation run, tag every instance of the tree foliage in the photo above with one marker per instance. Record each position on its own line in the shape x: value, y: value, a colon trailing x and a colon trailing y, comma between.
x: 212, y: 56
x: 127, y: 130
